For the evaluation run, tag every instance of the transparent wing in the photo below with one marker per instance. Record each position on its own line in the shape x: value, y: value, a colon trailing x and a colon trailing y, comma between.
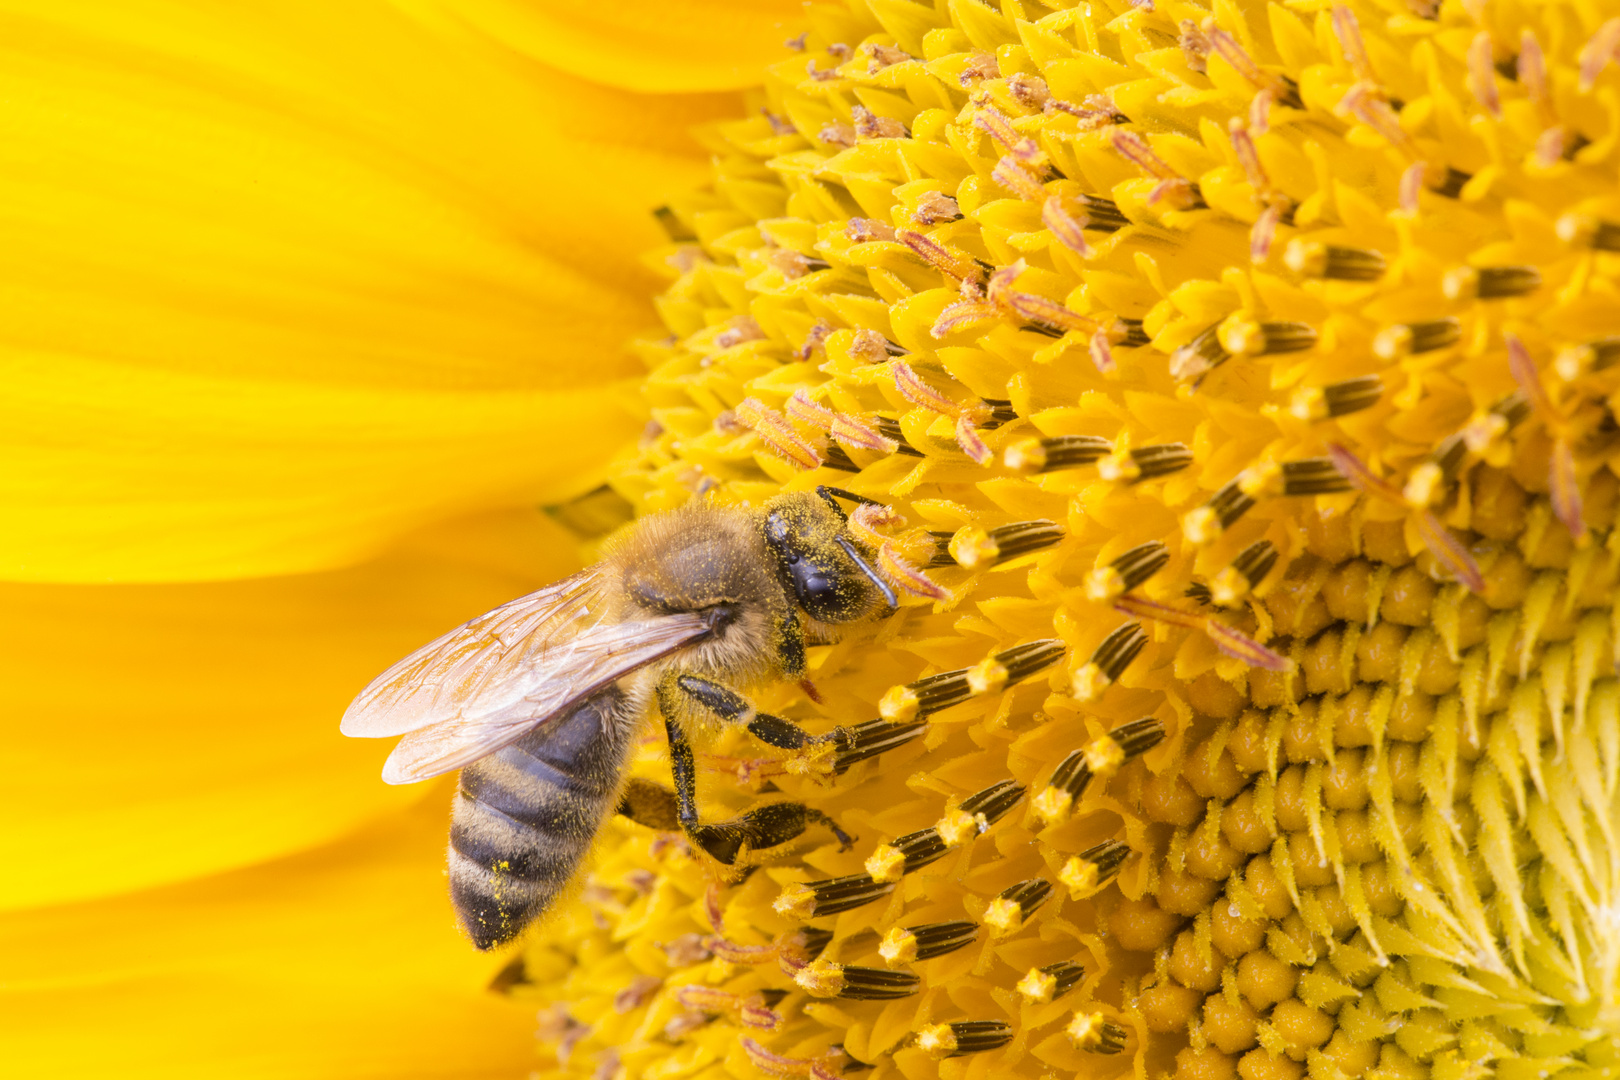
x: 473, y: 668
x: 568, y: 673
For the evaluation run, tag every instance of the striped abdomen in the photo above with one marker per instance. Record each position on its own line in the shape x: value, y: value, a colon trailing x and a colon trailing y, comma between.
x: 526, y: 815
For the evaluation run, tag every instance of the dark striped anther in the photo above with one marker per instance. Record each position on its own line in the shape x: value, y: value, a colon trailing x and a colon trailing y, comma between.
x: 938, y: 692
x: 1032, y: 456
x: 1101, y: 757
x: 810, y: 899
x: 963, y: 1037
x: 1051, y: 982
x: 1125, y: 573
x: 904, y: 945
x: 1086, y: 873
x: 1108, y: 661
x: 1010, y: 910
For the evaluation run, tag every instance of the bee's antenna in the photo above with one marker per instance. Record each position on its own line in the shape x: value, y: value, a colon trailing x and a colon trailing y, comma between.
x: 831, y: 494
x: 883, y: 586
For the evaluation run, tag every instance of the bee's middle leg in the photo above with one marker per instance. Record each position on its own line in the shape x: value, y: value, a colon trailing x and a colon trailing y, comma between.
x: 766, y: 826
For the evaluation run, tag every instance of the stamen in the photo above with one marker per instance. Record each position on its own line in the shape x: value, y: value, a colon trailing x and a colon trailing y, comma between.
x: 1574, y: 361
x: 1087, y: 873
x: 825, y: 979
x: 1231, y: 642
x: 841, y: 135
x: 913, y: 943
x: 1101, y: 214
x: 811, y: 899
x: 749, y: 1011
x: 1336, y: 399
x: 1097, y: 112
x: 897, y: 570
x: 1127, y: 572
x: 1229, y: 587
x: 1481, y: 78
x: 1099, y: 758
x: 1144, y: 463
x: 814, y: 340
x: 948, y: 261
x: 870, y: 739
x: 1563, y: 483
x: 1203, y: 525
x: 1051, y: 982
x: 1194, y: 46
x: 1066, y: 229
x: 1280, y: 86
x: 964, y: 1037
x: 1020, y: 147
x: 1010, y: 910
x: 1315, y: 259
x: 1309, y: 476
x: 1489, y: 282
x: 1203, y: 354
x: 938, y: 692
x: 1179, y: 192
x: 1348, y: 31
x: 846, y: 429
x: 1242, y: 335
x: 1395, y: 342
x: 1034, y: 455
x: 1597, y: 53
x: 1584, y: 230
x: 1095, y: 1033
x: 1439, y: 540
x: 974, y: 548
x: 775, y: 431
x: 1108, y: 661
x: 883, y: 56
x: 1016, y: 179
x: 982, y: 66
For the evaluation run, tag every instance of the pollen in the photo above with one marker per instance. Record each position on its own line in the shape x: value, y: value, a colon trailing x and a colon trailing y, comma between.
x: 1232, y: 388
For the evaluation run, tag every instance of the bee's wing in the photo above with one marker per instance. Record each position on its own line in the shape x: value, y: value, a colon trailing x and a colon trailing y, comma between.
x: 466, y: 672
x: 568, y: 673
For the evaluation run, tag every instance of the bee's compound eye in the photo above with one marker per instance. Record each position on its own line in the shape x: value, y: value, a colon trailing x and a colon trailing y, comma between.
x: 816, y: 587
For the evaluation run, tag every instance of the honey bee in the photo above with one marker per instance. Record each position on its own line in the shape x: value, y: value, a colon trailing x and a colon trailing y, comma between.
x: 538, y: 701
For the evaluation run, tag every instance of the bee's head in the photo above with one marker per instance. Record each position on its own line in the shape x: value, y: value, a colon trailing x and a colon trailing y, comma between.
x: 826, y: 570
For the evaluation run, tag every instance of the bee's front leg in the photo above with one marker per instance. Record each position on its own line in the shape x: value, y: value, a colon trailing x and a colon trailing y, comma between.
x: 733, y: 708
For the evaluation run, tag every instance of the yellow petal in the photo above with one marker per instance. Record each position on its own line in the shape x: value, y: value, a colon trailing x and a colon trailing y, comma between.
x: 156, y: 733
x: 648, y: 45
x: 268, y: 298
x: 340, y: 962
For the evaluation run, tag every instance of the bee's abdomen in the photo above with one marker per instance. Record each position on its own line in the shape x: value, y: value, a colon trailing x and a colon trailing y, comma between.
x: 527, y: 814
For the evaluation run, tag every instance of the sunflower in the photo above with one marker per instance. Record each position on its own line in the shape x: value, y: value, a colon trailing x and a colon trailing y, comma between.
x: 1229, y: 389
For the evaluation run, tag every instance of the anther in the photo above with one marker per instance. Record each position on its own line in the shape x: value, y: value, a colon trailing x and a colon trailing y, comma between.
x: 1229, y: 587
x: 866, y: 230
x: 1108, y: 661
x: 1489, y: 282
x: 841, y: 135
x: 1194, y: 46
x: 827, y: 1067
x: 1145, y: 463
x: 1203, y: 524
x: 845, y: 429
x: 868, y: 125
x: 1031, y: 456
x: 1095, y: 1033
x: 948, y: 688
x: 1089, y: 872
x: 1242, y: 335
x: 980, y: 67
x: 1598, y: 52
x: 1203, y: 354
x: 1282, y: 88
x: 905, y: 945
x: 1436, y: 537
x: 750, y: 1011
x: 975, y: 548
x: 1481, y: 78
x: 883, y: 56
x: 1310, y: 476
x: 1064, y: 227
x: 1100, y: 758
x: 889, y: 428
x: 1010, y: 910
x: 810, y: 899
x: 1030, y: 91
x: 1313, y: 258
x: 1101, y: 214
x: 1097, y: 111
x: 1127, y: 572
x: 1403, y: 339
x: 973, y: 816
x: 1584, y: 230
x: 963, y: 1037
x: 1574, y: 361
x: 825, y: 979
x: 933, y: 208
x: 870, y: 739
x: 1336, y: 399
x: 1051, y: 982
